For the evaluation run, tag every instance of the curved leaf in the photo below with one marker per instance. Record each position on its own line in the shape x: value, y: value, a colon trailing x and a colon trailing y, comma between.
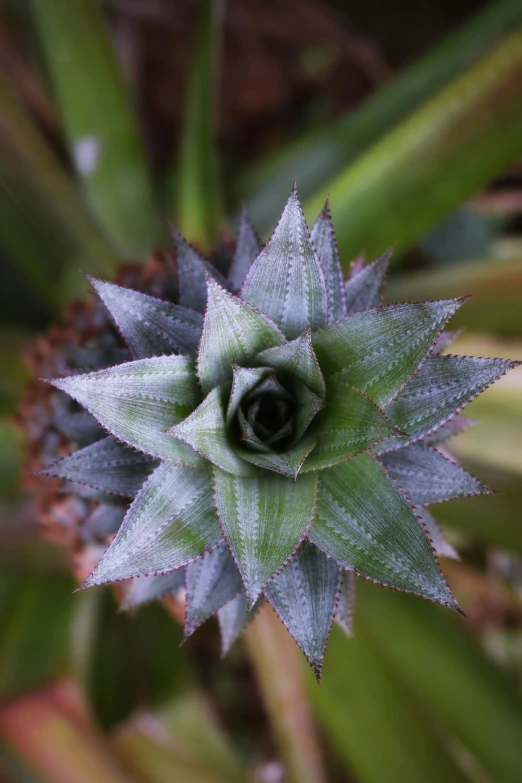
x: 192, y: 268
x: 366, y: 289
x: 211, y: 582
x: 287, y: 463
x: 247, y: 248
x: 323, y: 239
x: 298, y: 359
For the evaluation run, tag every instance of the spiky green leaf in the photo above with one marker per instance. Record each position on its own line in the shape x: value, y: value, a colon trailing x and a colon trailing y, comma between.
x: 152, y: 588
x: 233, y: 618
x: 138, y: 401
x: 427, y: 476
x: 191, y: 274
x: 171, y: 522
x: 364, y: 522
x: 378, y: 350
x: 349, y: 424
x: 205, y: 431
x: 442, y: 387
x: 233, y: 332
x: 263, y: 519
x: 106, y: 465
x: 304, y: 596
x: 244, y: 380
x: 287, y: 463
x: 247, y: 248
x: 296, y: 358
x: 366, y: 289
x: 344, y: 613
x: 323, y: 239
x: 212, y: 581
x: 150, y: 326
x: 286, y: 280
x: 307, y: 406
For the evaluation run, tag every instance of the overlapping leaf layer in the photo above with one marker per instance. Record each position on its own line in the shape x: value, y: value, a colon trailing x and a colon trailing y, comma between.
x: 276, y: 441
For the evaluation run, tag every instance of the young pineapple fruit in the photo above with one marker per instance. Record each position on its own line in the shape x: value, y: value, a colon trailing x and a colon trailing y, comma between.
x: 277, y: 431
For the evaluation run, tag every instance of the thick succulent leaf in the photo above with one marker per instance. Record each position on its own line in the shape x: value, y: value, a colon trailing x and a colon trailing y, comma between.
x: 104, y: 521
x: 304, y: 596
x: 149, y: 326
x: 138, y: 401
x: 453, y: 427
x: 344, y: 612
x: 442, y: 547
x: 81, y: 428
x: 233, y: 332
x: 264, y: 519
x: 349, y: 424
x: 365, y: 289
x: 107, y: 465
x: 323, y: 239
x: 192, y: 270
x: 286, y: 280
x: 287, y: 463
x: 441, y: 388
x: 145, y: 589
x: 307, y: 406
x: 298, y: 359
x: 247, y: 248
x: 171, y: 522
x: 378, y: 350
x: 364, y: 522
x: 249, y: 436
x: 211, y: 582
x: 427, y: 476
x: 244, y: 380
x: 205, y: 431
x: 233, y: 618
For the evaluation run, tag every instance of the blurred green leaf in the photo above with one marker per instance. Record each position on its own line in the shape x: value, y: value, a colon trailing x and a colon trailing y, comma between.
x: 14, y: 371
x: 125, y: 660
x: 97, y: 119
x: 198, y: 212
x: 373, y: 721
x: 11, y: 442
x: 44, y: 226
x: 434, y: 160
x: 35, y: 615
x: 433, y: 655
x: 181, y: 742
x: 316, y: 157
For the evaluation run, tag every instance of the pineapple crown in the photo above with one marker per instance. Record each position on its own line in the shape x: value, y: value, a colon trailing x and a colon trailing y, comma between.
x: 277, y: 431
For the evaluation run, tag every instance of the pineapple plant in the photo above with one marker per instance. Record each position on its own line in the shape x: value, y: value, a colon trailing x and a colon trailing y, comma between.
x: 277, y: 432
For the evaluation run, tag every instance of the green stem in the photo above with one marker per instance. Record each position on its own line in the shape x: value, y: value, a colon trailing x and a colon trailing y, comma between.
x: 278, y: 668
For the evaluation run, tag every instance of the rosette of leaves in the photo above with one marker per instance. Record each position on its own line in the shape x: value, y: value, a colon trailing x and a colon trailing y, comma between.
x: 277, y: 430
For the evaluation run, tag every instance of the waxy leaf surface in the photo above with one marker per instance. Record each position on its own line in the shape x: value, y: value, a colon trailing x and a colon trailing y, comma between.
x: 150, y: 326
x: 263, y: 520
x: 304, y: 596
x: 247, y: 248
x: 288, y: 463
x: 296, y: 358
x: 211, y: 582
x: 378, y: 350
x: 233, y: 333
x: 366, y: 288
x: 138, y: 401
x: 244, y: 380
x: 171, y: 522
x: 375, y: 533
x: 192, y: 271
x: 323, y: 239
x: 107, y: 465
x: 145, y: 589
x: 286, y: 280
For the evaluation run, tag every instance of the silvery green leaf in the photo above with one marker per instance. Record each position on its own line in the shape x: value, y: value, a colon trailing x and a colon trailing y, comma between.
x: 298, y: 359
x: 307, y: 406
x: 192, y: 268
x: 233, y: 332
x: 205, y: 431
x: 323, y: 239
x: 79, y: 427
x: 104, y: 521
x: 150, y: 326
x: 378, y: 350
x: 366, y: 288
x: 287, y: 463
x: 286, y: 280
x: 107, y: 465
x: 442, y: 547
x: 304, y: 596
x: 145, y: 589
x: 138, y: 401
x: 440, y: 389
x: 244, y: 380
x: 344, y: 613
x: 349, y: 424
x: 448, y: 430
x: 171, y: 522
x: 247, y: 248
x: 248, y: 436
x: 364, y: 522
x: 264, y: 519
x: 233, y: 618
x: 211, y: 582
x: 427, y: 476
